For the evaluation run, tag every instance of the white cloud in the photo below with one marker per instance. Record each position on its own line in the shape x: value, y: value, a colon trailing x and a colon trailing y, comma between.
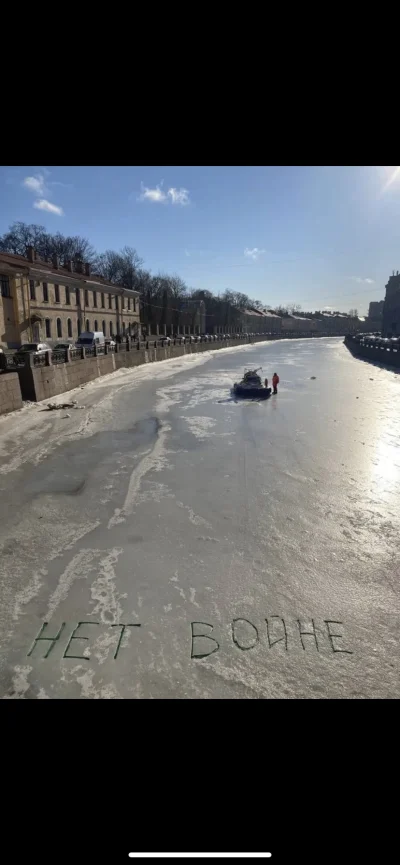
x: 360, y: 279
x: 59, y: 183
x: 43, y: 204
x: 35, y: 184
x: 254, y: 253
x: 179, y: 196
x: 156, y: 194
x: 187, y: 253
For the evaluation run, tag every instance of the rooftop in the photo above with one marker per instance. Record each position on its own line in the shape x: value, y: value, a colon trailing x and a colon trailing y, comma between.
x: 55, y: 274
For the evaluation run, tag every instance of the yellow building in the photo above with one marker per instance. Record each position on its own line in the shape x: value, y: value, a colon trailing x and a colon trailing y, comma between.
x: 42, y: 301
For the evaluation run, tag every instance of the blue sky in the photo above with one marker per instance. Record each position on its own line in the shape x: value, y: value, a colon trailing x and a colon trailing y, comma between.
x: 318, y: 236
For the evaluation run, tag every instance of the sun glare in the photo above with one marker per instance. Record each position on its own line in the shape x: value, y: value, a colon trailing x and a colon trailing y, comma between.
x: 392, y: 173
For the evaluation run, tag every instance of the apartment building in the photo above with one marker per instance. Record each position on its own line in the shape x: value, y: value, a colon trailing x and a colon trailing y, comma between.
x: 391, y: 307
x: 299, y: 324
x: 40, y: 300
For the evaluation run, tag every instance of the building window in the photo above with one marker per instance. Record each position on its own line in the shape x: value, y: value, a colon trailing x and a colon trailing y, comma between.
x: 104, y: 328
x: 129, y: 303
x: 32, y: 289
x: 111, y: 328
x: 134, y: 304
x: 87, y: 325
x: 116, y: 301
x: 95, y: 298
x: 79, y: 327
x: 48, y: 327
x: 59, y: 327
x: 123, y: 328
x: 67, y: 295
x: 122, y: 302
x: 69, y: 327
x: 86, y: 297
x: 57, y: 293
x: 45, y: 293
x: 95, y: 325
x: 109, y: 301
x: 5, y: 286
x: 102, y: 299
x: 78, y: 296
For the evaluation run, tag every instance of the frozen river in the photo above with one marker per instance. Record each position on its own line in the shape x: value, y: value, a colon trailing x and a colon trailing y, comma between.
x: 164, y: 510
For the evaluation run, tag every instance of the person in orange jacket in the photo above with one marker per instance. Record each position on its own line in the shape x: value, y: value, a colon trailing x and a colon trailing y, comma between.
x: 275, y: 382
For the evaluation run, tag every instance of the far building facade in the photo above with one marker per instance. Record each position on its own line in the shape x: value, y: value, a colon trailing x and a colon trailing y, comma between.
x: 391, y: 307
x: 373, y: 321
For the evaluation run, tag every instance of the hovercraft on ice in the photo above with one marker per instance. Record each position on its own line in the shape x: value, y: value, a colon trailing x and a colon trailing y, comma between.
x: 251, y: 386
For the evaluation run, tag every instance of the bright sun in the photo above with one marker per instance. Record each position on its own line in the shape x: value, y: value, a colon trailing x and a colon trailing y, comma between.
x: 393, y: 173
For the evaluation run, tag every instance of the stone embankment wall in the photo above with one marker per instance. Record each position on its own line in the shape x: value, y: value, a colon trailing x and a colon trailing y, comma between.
x: 10, y: 392
x: 44, y: 382
x: 388, y: 356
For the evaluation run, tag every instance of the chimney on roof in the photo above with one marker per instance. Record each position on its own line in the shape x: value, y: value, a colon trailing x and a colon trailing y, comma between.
x: 30, y: 253
x: 79, y: 265
x: 54, y: 261
x: 87, y: 268
x: 70, y: 265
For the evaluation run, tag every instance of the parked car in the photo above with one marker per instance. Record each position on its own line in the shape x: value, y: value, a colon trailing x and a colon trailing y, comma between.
x: 63, y: 346
x: 109, y: 341
x: 165, y: 339
x: 34, y: 347
x: 91, y: 337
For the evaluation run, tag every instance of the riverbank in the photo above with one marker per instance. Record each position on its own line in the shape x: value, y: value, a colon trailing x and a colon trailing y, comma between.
x: 387, y: 356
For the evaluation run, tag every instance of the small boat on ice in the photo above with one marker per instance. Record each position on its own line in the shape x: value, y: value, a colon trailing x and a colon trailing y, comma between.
x: 251, y: 386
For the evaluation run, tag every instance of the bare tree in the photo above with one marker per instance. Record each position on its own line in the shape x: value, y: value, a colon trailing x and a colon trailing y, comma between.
x: 20, y: 236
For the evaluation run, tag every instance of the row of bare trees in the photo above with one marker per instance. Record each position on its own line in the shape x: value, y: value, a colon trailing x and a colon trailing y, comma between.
x: 162, y: 294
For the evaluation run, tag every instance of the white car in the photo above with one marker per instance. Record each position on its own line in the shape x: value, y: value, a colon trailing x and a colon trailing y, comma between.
x: 34, y: 347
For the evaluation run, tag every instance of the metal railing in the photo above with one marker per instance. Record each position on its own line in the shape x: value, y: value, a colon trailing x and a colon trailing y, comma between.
x: 39, y: 359
x: 75, y: 354
x: 59, y: 355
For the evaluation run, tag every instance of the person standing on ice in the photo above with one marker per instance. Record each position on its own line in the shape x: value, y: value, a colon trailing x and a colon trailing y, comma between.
x: 275, y: 382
